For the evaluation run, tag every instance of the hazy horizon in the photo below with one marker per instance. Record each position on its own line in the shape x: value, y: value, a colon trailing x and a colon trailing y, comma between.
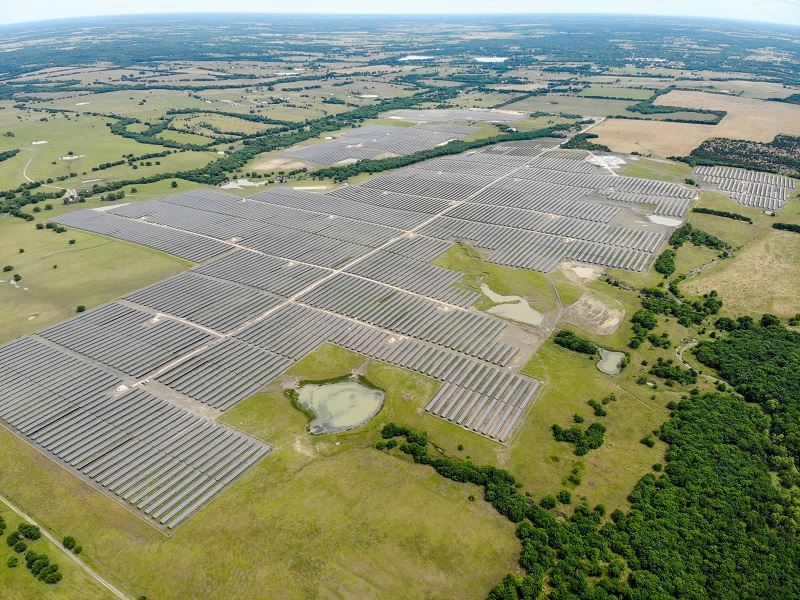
x: 785, y: 12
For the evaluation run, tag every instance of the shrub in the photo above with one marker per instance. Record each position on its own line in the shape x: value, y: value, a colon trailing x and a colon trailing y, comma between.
x: 378, y: 446
x: 570, y: 341
x: 648, y: 441
x: 8, y: 268
x: 39, y: 564
x: 599, y: 411
x: 548, y: 502
x: 69, y: 542
x: 12, y: 539
x: 565, y: 497
x: 391, y: 444
x: 20, y: 547
x: 30, y: 532
x: 77, y: 550
x: 80, y: 308
x: 13, y: 562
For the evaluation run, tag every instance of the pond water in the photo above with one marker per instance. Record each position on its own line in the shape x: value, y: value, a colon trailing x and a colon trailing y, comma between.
x: 515, y: 308
x: 339, y: 406
x: 610, y: 361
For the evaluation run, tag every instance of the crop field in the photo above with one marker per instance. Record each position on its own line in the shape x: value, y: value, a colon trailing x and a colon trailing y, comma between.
x: 747, y: 118
x: 590, y: 107
x: 617, y: 92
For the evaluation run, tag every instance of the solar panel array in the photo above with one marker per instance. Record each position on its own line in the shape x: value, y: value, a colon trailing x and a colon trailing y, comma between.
x: 372, y: 141
x: 750, y: 188
x: 455, y: 114
x: 147, y: 453
x: 285, y: 271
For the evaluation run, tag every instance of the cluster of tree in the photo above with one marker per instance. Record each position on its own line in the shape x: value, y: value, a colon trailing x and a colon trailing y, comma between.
x: 793, y: 99
x: 108, y: 165
x: 688, y: 312
x: 501, y: 489
x: 567, y: 339
x: 8, y: 154
x: 723, y: 213
x: 698, y: 237
x: 667, y: 369
x: 787, y: 227
x: 112, y: 196
x: 41, y: 568
x: 16, y: 539
x: 71, y: 544
x: 581, y: 142
x: 781, y: 155
x: 643, y: 322
x: 660, y: 547
x: 665, y: 263
x: 582, y: 441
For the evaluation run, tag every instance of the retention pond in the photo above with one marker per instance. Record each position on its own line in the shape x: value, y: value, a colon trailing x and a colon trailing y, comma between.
x: 339, y: 405
x: 610, y: 362
x: 515, y: 308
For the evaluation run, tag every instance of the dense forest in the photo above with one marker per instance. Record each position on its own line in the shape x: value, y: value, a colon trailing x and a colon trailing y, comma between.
x: 781, y: 155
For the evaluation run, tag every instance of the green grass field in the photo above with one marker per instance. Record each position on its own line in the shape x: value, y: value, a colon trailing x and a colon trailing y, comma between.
x: 660, y: 170
x: 94, y: 270
x: 503, y: 280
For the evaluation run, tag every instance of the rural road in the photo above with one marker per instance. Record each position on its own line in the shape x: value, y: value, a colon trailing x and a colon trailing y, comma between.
x: 25, y: 169
x: 111, y: 588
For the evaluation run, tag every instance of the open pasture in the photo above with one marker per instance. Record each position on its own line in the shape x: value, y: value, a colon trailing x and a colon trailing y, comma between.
x: 747, y: 118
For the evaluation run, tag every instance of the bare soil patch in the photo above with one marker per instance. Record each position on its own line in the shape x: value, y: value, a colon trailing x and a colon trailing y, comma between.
x: 592, y: 315
x: 279, y: 163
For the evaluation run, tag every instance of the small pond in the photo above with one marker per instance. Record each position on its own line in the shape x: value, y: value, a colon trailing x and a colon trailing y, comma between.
x: 339, y: 405
x: 610, y: 362
x: 515, y: 308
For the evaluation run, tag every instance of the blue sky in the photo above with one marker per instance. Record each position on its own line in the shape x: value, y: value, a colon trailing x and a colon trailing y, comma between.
x: 777, y: 11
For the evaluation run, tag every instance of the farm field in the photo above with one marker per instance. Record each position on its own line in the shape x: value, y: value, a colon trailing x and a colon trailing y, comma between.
x: 747, y: 118
x: 617, y: 92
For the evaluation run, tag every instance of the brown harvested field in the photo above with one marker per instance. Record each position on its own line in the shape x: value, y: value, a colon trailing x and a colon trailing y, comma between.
x: 747, y: 118
x: 763, y: 278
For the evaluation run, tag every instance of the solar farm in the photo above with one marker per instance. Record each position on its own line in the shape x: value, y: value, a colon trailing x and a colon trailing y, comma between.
x: 380, y: 141
x: 125, y: 395
x: 750, y: 188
